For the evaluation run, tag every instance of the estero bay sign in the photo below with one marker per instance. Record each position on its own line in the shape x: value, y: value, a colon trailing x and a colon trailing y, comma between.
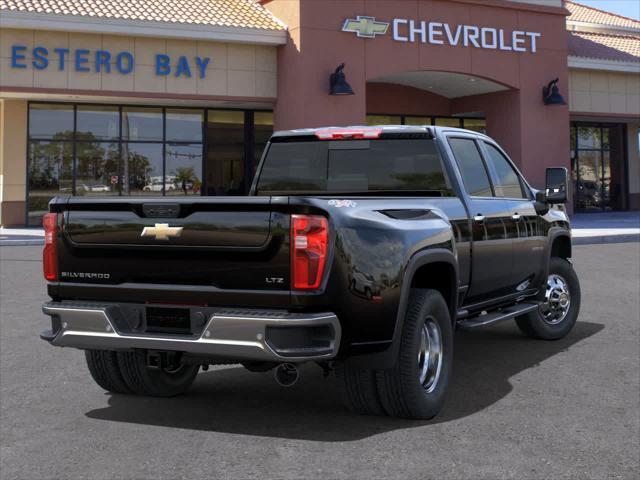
x: 439, y: 33
x: 84, y: 60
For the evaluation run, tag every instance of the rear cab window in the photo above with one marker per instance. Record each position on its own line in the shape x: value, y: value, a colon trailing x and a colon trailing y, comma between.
x: 409, y: 166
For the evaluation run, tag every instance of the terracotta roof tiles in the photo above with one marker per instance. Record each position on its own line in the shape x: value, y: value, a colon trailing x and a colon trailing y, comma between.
x: 582, y: 13
x: 624, y: 48
x: 225, y: 13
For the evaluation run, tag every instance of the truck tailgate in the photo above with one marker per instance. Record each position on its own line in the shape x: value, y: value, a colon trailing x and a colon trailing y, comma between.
x: 231, y: 243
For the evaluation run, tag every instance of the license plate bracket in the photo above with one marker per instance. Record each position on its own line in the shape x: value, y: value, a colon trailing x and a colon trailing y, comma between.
x: 168, y: 320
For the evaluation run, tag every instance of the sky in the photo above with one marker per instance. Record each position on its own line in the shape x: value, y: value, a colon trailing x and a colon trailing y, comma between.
x: 628, y: 8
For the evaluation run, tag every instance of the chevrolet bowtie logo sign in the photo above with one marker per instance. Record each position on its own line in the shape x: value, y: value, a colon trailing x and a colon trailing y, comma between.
x: 161, y: 231
x: 365, y: 27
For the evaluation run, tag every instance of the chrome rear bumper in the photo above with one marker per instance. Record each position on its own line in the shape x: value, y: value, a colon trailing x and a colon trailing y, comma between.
x: 252, y: 335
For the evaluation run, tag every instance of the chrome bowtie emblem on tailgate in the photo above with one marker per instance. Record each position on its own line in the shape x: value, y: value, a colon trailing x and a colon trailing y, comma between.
x: 161, y: 231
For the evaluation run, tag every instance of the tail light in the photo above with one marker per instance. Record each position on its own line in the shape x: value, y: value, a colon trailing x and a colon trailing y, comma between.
x: 50, y: 252
x: 309, y: 245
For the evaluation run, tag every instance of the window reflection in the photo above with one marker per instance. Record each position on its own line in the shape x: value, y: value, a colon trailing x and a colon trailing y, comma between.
x: 225, y: 153
x: 47, y: 121
x: 97, y: 168
x: 142, y: 124
x: 184, y: 125
x: 184, y: 169
x: 101, y: 123
x: 384, y: 120
x: 50, y: 173
x: 448, y: 122
x: 143, y: 169
x: 263, y: 129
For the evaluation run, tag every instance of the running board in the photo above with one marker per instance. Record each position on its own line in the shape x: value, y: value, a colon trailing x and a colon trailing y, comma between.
x: 490, y: 318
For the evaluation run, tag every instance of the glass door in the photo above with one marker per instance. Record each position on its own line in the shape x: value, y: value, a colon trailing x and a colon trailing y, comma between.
x: 598, y: 167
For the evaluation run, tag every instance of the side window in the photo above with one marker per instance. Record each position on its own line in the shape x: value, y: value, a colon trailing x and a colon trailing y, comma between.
x: 507, y: 183
x: 474, y: 173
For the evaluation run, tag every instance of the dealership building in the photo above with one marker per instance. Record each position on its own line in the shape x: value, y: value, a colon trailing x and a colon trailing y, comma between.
x: 178, y: 97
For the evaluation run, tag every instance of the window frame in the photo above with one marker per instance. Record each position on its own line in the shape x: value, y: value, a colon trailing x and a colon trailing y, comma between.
x: 248, y: 135
x: 524, y: 186
x: 474, y: 139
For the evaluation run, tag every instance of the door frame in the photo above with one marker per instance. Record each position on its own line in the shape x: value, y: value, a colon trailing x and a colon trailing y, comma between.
x: 624, y: 162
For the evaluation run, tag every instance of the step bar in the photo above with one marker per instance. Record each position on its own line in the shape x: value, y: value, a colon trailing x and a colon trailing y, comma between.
x: 507, y: 313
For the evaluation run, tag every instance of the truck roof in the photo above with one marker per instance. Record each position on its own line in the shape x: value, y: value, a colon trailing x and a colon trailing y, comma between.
x: 402, y: 129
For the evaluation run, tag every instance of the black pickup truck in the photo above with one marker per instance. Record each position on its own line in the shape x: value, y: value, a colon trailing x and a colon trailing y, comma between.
x: 361, y: 249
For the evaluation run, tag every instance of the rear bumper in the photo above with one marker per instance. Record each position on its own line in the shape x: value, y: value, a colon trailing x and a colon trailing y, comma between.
x: 251, y: 335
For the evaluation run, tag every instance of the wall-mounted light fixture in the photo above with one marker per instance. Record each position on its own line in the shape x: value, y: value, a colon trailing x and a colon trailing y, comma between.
x: 551, y: 94
x: 338, y: 82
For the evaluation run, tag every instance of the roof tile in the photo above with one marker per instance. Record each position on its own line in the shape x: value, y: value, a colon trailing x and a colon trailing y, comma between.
x: 224, y: 13
x: 582, y: 13
x: 624, y: 48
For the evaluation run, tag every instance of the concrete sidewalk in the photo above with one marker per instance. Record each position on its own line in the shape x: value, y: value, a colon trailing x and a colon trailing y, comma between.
x: 21, y: 236
x: 606, y: 227
x: 588, y: 228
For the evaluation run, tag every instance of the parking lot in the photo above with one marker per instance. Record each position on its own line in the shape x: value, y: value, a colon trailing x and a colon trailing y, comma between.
x: 518, y: 408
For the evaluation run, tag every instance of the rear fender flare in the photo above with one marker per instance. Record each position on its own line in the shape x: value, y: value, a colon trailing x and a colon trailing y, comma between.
x: 388, y: 358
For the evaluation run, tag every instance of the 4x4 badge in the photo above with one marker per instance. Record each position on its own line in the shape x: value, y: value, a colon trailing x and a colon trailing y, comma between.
x: 365, y: 27
x: 161, y: 231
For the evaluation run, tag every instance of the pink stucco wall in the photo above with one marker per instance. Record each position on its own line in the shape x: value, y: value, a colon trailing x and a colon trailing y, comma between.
x: 535, y: 135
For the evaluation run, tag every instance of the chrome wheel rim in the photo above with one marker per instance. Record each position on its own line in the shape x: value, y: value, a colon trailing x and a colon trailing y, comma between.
x: 430, y: 355
x: 557, y: 300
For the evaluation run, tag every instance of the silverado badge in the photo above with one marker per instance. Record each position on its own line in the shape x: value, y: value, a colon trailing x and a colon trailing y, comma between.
x: 161, y: 231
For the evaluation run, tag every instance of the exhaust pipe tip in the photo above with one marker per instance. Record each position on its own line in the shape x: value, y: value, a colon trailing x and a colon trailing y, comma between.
x: 286, y: 374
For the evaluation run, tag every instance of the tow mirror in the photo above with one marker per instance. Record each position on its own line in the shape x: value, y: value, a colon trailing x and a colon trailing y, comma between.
x: 557, y: 185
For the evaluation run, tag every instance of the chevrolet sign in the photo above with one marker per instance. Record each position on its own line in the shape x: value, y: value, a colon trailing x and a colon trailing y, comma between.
x: 438, y: 33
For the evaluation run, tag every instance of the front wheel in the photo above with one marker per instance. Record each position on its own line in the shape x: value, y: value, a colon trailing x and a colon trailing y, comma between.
x: 558, y: 313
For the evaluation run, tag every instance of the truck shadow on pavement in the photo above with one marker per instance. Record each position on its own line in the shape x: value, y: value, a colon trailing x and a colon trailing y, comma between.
x: 233, y: 400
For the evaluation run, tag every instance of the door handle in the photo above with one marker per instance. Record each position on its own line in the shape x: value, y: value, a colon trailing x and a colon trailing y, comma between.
x: 516, y: 216
x: 479, y: 218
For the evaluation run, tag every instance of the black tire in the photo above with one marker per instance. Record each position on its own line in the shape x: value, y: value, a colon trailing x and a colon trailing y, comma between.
x: 155, y: 381
x: 105, y: 370
x: 358, y: 389
x: 400, y: 390
x: 534, y: 324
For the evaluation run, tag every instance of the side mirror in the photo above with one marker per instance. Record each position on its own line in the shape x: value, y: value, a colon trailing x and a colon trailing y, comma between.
x: 557, y: 185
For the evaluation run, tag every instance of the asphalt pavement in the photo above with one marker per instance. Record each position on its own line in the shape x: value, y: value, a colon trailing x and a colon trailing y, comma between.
x: 518, y: 408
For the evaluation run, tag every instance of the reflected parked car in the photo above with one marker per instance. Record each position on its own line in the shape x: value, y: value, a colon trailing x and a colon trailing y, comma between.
x: 156, y: 186
x: 97, y: 187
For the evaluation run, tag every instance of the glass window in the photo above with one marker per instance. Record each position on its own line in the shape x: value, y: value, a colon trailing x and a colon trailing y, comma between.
x: 475, y: 124
x: 97, y: 168
x: 262, y: 131
x: 143, y: 169
x: 384, y: 120
x: 507, y: 182
x: 50, y: 121
x: 224, y: 162
x: 417, y: 120
x: 448, y: 122
x: 474, y: 173
x: 97, y: 123
x: 142, y: 124
x: 589, y: 137
x: 184, y: 169
x: 50, y: 173
x: 184, y: 125
x: 354, y: 166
